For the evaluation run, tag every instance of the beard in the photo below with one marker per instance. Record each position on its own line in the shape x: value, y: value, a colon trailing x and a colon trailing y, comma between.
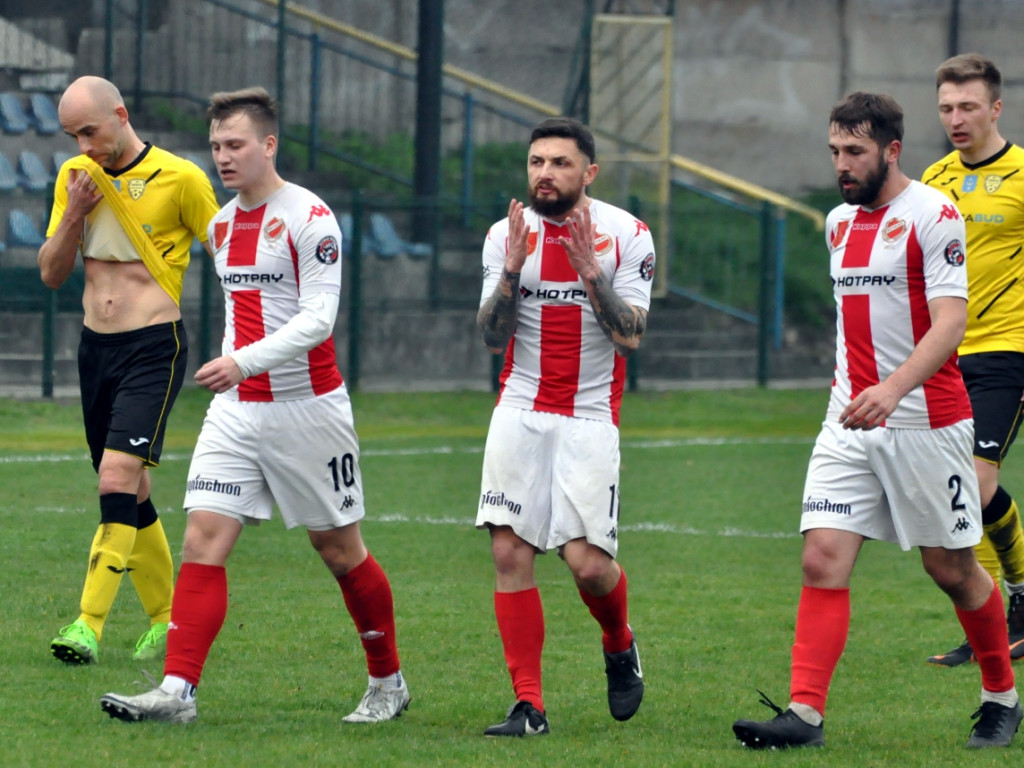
x: 867, y: 190
x: 559, y: 205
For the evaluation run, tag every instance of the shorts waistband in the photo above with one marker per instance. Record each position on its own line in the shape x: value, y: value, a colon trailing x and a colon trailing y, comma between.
x: 176, y: 328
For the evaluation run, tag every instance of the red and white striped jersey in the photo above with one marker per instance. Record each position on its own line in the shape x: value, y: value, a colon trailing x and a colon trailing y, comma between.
x: 559, y: 360
x: 886, y: 265
x: 289, y: 245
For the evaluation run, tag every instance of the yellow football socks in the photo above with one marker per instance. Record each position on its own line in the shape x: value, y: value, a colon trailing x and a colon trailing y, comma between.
x: 152, y: 571
x: 108, y: 559
x: 1007, y: 541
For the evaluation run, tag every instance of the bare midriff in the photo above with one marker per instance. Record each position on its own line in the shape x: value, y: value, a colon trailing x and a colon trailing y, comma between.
x: 123, y: 296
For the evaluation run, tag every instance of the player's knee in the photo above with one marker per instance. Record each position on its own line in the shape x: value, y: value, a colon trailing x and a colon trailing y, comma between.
x: 953, y: 571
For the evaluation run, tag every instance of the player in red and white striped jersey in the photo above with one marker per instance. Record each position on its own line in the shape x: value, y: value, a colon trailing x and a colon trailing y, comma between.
x: 567, y: 286
x: 280, y: 429
x: 893, y: 459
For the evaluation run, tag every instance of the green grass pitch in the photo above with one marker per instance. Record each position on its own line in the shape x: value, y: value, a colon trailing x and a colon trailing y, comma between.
x: 711, y: 486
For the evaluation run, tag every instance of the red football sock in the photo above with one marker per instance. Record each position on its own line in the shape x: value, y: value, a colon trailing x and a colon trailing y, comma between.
x: 197, y: 613
x: 986, y: 632
x: 822, y: 624
x: 368, y: 598
x: 610, y: 612
x: 521, y: 625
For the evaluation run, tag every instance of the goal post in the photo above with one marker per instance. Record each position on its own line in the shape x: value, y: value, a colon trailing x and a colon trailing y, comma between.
x: 631, y: 116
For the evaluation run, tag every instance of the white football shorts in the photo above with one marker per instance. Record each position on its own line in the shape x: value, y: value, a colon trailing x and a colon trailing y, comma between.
x: 915, y: 487
x: 301, y: 454
x: 551, y: 478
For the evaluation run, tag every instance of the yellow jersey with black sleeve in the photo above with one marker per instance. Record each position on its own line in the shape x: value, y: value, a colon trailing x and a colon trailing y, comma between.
x: 160, y: 198
x: 990, y: 197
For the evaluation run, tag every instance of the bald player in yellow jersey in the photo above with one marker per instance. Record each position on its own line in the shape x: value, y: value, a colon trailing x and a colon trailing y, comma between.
x: 984, y: 177
x: 132, y: 211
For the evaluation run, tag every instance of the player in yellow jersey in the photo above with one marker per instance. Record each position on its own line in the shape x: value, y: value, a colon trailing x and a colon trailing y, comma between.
x: 132, y: 211
x: 984, y: 177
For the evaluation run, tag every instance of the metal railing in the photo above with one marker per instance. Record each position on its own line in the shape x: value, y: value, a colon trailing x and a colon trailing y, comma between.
x: 347, y: 99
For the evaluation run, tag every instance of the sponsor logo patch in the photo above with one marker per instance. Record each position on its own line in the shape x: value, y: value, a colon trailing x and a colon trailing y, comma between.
x: 647, y: 267
x: 327, y: 250
x: 955, y: 253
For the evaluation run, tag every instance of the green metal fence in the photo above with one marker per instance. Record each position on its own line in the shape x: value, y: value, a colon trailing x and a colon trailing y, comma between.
x: 347, y: 106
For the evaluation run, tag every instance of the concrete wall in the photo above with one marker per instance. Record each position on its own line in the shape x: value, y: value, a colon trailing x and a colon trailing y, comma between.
x: 753, y: 80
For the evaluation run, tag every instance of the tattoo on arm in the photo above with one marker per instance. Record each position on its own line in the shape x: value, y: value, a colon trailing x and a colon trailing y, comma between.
x: 498, y: 315
x: 622, y: 323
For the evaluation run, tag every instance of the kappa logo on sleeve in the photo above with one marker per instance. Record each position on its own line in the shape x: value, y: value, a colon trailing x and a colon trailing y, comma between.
x: 318, y: 210
x: 327, y: 250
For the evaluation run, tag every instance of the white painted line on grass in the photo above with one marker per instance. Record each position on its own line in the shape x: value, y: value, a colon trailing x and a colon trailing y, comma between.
x: 469, y: 522
x: 444, y: 450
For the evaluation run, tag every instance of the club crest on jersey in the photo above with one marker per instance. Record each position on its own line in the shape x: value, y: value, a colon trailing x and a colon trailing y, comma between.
x: 893, y: 230
x: 955, y: 253
x: 647, y: 267
x: 603, y: 244
x: 327, y: 250
x: 992, y: 183
x: 136, y: 187
x: 274, y: 229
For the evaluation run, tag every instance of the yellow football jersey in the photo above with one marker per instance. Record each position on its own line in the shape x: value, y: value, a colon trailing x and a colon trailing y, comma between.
x: 990, y: 197
x: 170, y: 198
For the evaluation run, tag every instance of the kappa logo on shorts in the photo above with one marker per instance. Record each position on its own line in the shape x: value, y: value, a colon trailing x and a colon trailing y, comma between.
x: 962, y: 525
x: 347, y: 503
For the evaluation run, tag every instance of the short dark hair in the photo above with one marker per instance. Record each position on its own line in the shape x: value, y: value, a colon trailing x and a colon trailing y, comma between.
x: 256, y: 102
x: 567, y: 128
x: 874, y: 115
x: 970, y: 66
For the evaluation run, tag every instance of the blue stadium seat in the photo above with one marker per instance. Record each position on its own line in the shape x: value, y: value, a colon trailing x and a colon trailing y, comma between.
x: 22, y: 231
x: 32, y: 174
x: 8, y: 178
x: 368, y: 245
x: 390, y: 243
x: 59, y: 158
x: 13, y: 119
x: 44, y: 114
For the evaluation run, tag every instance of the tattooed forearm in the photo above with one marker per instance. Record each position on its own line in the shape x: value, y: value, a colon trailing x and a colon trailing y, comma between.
x: 622, y: 323
x: 498, y: 314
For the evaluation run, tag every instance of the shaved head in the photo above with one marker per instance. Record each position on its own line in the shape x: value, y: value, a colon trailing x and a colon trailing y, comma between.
x: 93, y: 91
x: 92, y: 112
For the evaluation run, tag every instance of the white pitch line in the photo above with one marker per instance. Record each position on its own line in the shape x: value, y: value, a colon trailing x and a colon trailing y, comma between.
x: 444, y: 450
x: 469, y: 522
